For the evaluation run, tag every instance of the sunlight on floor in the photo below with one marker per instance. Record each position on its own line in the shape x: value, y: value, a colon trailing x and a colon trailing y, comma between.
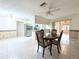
x: 65, y: 39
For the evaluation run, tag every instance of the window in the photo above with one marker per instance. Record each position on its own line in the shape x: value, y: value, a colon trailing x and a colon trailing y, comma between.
x: 42, y: 26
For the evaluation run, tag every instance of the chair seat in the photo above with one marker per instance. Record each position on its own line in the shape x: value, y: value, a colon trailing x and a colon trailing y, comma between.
x: 55, y: 42
x: 46, y: 43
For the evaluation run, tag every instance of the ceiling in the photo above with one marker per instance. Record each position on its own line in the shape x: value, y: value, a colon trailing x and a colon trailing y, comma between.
x: 32, y: 7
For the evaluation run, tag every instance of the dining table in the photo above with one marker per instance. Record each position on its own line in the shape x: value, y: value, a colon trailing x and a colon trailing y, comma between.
x: 50, y: 37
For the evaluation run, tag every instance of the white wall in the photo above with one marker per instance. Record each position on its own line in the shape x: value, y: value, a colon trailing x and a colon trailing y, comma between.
x: 75, y: 22
x: 41, y: 20
x: 74, y: 26
x: 8, y: 21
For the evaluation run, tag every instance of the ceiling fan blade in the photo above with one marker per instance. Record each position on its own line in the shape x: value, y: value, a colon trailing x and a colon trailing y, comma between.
x: 44, y: 3
x: 48, y: 14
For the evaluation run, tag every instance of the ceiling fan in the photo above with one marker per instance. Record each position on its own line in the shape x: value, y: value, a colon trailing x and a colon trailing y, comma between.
x: 50, y: 10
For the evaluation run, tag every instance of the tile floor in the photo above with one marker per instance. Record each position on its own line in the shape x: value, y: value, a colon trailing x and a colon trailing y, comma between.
x: 26, y: 48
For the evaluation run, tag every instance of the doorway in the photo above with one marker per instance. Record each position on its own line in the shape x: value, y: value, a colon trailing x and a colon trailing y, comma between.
x: 63, y: 25
x: 20, y: 28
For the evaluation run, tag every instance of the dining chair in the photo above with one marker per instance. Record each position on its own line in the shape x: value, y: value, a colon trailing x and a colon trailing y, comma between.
x: 57, y: 42
x: 42, y: 32
x: 54, y: 32
x: 42, y: 42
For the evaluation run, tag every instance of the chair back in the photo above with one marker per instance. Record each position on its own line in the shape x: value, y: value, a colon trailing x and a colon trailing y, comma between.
x: 39, y: 37
x: 42, y: 31
x: 59, y: 39
x: 54, y: 32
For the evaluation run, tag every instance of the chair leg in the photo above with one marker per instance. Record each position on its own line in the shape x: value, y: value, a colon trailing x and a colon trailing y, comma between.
x: 51, y: 50
x: 43, y: 52
x: 38, y: 48
x: 58, y: 49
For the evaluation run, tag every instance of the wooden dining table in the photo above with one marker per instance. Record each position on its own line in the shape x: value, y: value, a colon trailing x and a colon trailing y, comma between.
x: 50, y: 37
